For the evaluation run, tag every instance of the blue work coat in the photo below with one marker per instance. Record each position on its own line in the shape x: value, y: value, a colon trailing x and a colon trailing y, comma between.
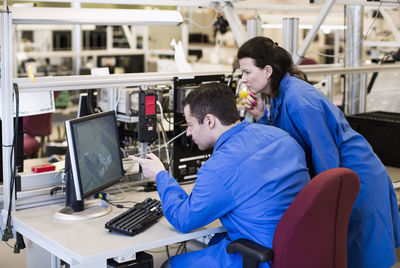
x: 329, y: 142
x: 250, y: 180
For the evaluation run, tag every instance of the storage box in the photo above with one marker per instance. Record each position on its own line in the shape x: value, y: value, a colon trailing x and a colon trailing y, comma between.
x: 382, y: 131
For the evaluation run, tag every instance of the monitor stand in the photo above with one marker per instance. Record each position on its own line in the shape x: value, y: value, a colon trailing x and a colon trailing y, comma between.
x: 93, y: 209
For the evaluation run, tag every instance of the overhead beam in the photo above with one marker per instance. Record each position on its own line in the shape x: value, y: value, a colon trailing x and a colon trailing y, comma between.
x: 313, y: 32
x: 235, y: 23
x: 390, y: 23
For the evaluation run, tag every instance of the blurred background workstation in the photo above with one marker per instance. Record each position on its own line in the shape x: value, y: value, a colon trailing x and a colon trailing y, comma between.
x: 88, y: 83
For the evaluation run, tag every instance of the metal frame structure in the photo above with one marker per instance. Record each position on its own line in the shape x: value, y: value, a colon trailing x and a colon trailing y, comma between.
x: 7, y: 107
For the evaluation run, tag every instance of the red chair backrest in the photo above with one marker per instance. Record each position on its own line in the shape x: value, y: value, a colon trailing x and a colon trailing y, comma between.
x: 313, y: 230
x: 38, y: 125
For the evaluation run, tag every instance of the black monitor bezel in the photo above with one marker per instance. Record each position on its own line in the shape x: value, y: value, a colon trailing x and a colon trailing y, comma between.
x: 72, y: 147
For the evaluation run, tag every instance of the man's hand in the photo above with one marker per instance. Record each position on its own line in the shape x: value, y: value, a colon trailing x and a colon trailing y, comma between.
x: 150, y: 166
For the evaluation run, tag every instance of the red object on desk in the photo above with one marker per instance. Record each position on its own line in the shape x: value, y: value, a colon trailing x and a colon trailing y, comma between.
x: 43, y: 168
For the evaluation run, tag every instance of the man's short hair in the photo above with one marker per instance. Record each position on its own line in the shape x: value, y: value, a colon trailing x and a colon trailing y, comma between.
x: 213, y: 98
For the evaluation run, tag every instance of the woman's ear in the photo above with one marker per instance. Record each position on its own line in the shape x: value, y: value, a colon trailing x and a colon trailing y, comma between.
x: 268, y: 70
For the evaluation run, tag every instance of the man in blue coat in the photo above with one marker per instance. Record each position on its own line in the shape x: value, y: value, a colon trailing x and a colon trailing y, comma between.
x: 250, y: 180
x: 329, y: 142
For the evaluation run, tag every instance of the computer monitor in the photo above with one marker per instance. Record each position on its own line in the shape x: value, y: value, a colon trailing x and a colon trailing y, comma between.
x: 95, y: 162
x: 83, y: 106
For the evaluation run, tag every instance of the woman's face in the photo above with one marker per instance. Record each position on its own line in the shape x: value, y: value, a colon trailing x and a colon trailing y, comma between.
x: 256, y: 79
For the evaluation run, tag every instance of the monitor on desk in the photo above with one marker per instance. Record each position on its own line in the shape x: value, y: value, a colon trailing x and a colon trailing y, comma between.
x: 83, y: 105
x: 95, y: 162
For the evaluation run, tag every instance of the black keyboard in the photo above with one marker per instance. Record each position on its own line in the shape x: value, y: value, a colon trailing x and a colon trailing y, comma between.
x: 136, y: 219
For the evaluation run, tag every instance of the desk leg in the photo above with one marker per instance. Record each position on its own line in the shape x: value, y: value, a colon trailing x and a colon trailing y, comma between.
x: 55, y: 262
x: 36, y: 256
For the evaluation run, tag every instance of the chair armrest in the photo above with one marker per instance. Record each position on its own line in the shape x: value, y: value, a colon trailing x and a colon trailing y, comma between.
x: 250, y: 249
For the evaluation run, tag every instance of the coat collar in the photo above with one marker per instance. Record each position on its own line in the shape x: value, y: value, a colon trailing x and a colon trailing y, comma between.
x: 277, y: 103
x: 227, y: 134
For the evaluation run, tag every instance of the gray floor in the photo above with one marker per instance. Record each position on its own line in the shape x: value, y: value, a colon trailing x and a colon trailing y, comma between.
x: 7, y: 257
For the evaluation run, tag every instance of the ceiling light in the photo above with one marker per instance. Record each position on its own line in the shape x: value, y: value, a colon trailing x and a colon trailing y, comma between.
x: 95, y: 16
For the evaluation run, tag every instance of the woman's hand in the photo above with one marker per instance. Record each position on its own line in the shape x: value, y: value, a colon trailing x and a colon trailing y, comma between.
x: 254, y: 105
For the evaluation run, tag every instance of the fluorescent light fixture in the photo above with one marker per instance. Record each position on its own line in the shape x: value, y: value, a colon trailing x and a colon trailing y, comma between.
x: 325, y: 28
x: 95, y: 16
x: 53, y: 27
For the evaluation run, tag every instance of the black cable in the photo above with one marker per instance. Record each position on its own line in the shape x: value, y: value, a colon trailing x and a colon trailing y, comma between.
x: 186, y: 182
x: 173, y: 123
x: 375, y: 74
x: 6, y: 241
x: 166, y: 249
x: 90, y: 96
x: 54, y: 190
x: 19, y: 243
x: 7, y: 234
x: 164, y: 105
x: 179, y: 248
x: 117, y: 204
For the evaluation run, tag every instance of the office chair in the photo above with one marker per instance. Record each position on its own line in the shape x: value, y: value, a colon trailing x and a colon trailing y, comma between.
x: 36, y: 126
x: 313, y: 230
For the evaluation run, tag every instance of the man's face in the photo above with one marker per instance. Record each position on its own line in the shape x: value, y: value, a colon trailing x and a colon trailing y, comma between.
x: 200, y: 133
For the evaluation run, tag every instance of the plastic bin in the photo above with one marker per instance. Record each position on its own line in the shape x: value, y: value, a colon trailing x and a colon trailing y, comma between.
x: 382, y: 131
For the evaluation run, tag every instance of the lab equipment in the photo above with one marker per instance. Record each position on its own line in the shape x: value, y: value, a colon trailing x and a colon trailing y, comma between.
x: 187, y: 157
x: 147, y: 116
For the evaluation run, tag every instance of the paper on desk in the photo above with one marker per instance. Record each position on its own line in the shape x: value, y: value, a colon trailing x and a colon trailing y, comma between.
x: 59, y: 165
x: 35, y: 103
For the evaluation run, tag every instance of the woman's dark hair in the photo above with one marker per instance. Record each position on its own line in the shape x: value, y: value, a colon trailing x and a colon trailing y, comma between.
x: 213, y: 98
x: 265, y: 52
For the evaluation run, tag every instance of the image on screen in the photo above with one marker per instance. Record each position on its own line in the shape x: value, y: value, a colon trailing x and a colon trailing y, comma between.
x: 96, y: 149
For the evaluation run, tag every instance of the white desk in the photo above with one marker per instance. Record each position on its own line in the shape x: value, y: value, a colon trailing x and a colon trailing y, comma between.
x: 88, y: 243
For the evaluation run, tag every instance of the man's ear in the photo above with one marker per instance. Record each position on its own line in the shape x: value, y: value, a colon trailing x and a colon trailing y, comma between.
x: 210, y: 120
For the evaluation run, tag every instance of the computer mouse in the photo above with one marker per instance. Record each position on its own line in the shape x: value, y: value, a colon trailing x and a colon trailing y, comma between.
x: 55, y: 158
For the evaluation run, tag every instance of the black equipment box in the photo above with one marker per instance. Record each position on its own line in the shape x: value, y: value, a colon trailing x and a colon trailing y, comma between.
x: 147, y: 116
x: 382, y: 131
x: 20, y: 148
x: 187, y: 157
x: 143, y: 260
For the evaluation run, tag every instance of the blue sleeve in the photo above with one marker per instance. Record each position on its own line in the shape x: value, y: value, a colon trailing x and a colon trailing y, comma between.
x: 208, y: 200
x: 316, y: 132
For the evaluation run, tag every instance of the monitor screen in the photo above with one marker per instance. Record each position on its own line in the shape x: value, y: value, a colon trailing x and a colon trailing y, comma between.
x: 94, y: 148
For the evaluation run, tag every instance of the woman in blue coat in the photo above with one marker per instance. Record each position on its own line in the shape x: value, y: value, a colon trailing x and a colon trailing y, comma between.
x: 329, y: 142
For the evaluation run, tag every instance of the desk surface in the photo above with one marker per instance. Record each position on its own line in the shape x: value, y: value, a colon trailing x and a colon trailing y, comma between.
x: 85, y: 242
